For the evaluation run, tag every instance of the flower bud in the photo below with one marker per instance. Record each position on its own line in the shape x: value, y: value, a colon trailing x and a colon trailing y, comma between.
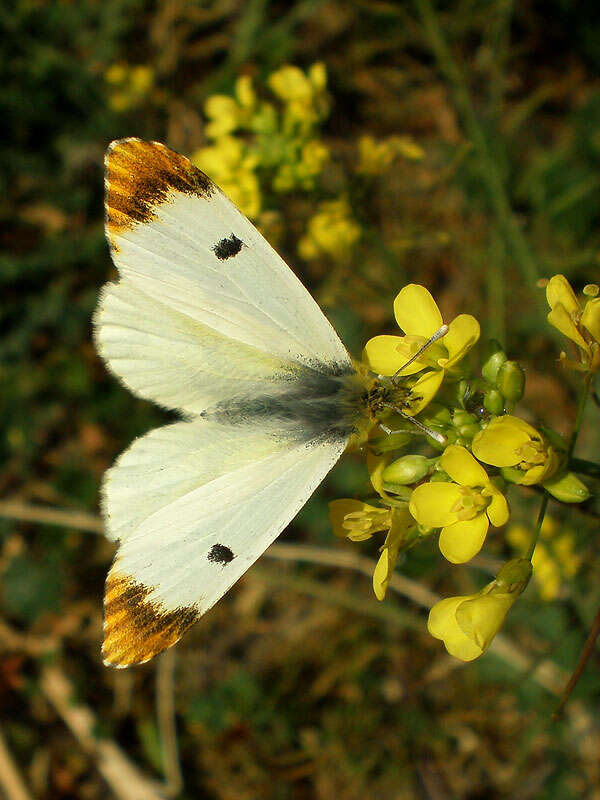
x: 493, y: 402
x: 461, y: 418
x: 567, y: 488
x: 494, y: 359
x: 513, y: 576
x: 405, y: 470
x: 510, y: 381
x: 468, y: 432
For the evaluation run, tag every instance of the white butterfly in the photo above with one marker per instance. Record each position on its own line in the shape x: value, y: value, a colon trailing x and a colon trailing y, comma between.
x: 208, y: 320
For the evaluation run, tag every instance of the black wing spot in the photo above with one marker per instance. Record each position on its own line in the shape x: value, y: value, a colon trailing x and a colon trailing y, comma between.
x: 228, y: 247
x: 220, y: 554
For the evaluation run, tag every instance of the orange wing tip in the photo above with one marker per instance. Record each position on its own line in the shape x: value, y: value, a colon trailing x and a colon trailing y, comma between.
x: 139, y: 176
x: 137, y: 629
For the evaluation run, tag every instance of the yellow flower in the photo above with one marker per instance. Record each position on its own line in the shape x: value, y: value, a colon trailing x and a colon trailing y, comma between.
x: 317, y: 75
x: 581, y: 325
x: 116, y: 73
x: 419, y: 317
x: 374, y: 157
x: 244, y: 91
x: 402, y: 531
x: 290, y: 83
x: 224, y: 115
x: 314, y: 156
x: 331, y: 232
x: 357, y: 521
x: 141, y: 79
x: 131, y: 84
x: 511, y: 442
x: 463, y: 508
x: 304, y: 95
x: 468, y: 624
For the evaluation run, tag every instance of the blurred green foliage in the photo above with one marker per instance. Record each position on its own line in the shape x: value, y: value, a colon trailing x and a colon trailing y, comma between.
x: 280, y: 694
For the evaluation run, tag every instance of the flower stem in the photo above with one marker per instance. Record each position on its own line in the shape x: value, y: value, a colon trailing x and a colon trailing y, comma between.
x: 584, y: 467
x: 583, y: 396
x: 538, y: 526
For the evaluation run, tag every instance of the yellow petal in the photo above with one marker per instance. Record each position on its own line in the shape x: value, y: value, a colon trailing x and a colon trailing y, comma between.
x: 430, y: 504
x: 463, y: 540
x: 376, y: 466
x: 560, y: 318
x: 416, y: 311
x: 498, y: 443
x: 463, y: 333
x: 383, y: 572
x: 590, y: 318
x: 442, y: 624
x: 423, y: 391
x: 481, y: 617
x: 387, y: 354
x: 498, y: 511
x: 462, y: 467
x: 558, y: 291
x: 381, y: 355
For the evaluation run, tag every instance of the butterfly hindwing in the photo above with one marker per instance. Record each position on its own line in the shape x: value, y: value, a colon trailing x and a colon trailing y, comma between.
x: 194, y: 504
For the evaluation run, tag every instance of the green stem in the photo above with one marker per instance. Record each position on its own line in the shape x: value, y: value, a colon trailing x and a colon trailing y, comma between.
x: 490, y: 173
x: 538, y: 526
x: 583, y: 396
x: 584, y: 467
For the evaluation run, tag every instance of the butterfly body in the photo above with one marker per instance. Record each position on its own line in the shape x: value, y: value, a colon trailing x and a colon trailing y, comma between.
x: 207, y: 320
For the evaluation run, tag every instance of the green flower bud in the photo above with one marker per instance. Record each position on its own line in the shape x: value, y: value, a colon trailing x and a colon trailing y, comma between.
x: 468, y: 432
x: 494, y: 358
x: 493, y: 402
x: 513, y: 576
x: 461, y: 418
x: 439, y: 476
x: 405, y: 470
x: 567, y: 488
x: 511, y: 381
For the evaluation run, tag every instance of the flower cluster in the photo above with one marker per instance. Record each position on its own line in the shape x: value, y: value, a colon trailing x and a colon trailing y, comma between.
x: 265, y: 140
x: 479, y: 447
x: 128, y: 85
x: 331, y: 232
x: 256, y: 143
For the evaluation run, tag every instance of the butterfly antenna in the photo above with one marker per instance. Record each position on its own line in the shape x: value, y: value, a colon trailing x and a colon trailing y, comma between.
x: 432, y: 339
x: 438, y: 437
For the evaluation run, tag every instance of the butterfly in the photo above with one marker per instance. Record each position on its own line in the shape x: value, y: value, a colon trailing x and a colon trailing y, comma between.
x: 206, y: 319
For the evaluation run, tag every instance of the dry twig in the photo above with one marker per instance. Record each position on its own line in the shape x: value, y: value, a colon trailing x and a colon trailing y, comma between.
x: 12, y: 786
x: 126, y: 781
